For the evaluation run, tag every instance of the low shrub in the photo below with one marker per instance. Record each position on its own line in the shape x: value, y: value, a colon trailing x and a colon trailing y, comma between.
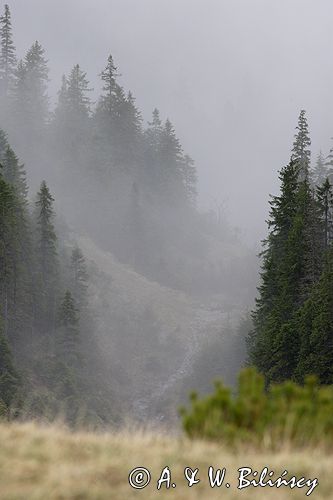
x: 283, y: 413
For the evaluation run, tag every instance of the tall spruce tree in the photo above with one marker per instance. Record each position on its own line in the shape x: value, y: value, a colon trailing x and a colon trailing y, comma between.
x: 292, y: 261
x: 113, y: 96
x: 279, y: 288
x: 294, y: 278
x: 152, y: 144
x: 301, y: 153
x: 171, y: 161
x: 46, y: 255
x: 118, y: 123
x: 72, y: 115
x: 8, y: 53
x: 30, y: 111
x: 77, y: 92
x: 8, y: 248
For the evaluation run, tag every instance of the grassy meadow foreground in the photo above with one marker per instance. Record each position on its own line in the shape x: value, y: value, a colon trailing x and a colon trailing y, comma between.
x: 39, y: 463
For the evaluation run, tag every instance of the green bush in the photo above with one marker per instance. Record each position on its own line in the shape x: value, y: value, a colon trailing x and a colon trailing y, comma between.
x: 285, y: 413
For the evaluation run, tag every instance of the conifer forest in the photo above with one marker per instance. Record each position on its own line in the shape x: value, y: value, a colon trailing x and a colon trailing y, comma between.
x: 123, y: 286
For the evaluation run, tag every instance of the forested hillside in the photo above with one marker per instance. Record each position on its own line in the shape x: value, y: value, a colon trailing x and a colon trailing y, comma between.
x: 90, y: 341
x: 104, y: 164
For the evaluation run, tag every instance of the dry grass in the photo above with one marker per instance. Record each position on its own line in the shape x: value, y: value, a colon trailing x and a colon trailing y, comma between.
x: 39, y: 463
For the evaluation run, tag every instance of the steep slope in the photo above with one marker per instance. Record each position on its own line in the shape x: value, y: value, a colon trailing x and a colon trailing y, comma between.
x: 150, y: 335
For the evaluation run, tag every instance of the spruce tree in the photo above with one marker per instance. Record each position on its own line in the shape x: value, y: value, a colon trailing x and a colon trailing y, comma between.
x: 72, y: 115
x: 320, y: 171
x: 301, y: 153
x: 7, y: 54
x: 79, y: 280
x: 315, y: 322
x: 69, y: 335
x: 76, y: 92
x: 8, y: 248
x: 113, y: 97
x: 117, y: 122
x: 3, y: 145
x: 329, y: 163
x: 30, y: 99
x: 325, y: 206
x: 9, y: 378
x: 152, y: 144
x: 154, y: 132
x: 46, y: 233
x: 46, y: 256
x: 189, y: 174
x: 14, y: 173
x: 17, y: 254
x: 171, y: 161
x: 272, y: 349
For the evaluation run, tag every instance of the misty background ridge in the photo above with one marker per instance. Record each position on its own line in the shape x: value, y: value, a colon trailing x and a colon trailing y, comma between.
x: 224, y: 72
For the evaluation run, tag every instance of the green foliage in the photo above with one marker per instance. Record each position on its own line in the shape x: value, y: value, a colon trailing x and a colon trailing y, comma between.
x: 9, y: 379
x: 292, y: 319
x: 285, y: 413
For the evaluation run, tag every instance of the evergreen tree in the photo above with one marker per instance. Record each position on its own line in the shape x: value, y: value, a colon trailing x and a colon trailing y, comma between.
x: 72, y: 114
x: 152, y: 144
x: 20, y: 101
x: 79, y: 278
x: 37, y: 80
x: 320, y: 171
x: 30, y: 99
x: 325, y: 205
x: 273, y: 347
x: 315, y: 322
x: 9, y: 378
x: 154, y: 132
x: 69, y: 330
x: 189, y: 174
x: 15, y: 237
x: 113, y: 96
x: 117, y: 122
x: 171, y: 161
x: 301, y: 153
x: 8, y: 248
x: 130, y: 135
x: 46, y: 234
x: 7, y: 54
x: 14, y: 173
x: 76, y: 92
x: 312, y: 243
x: 3, y: 145
x: 46, y: 258
x: 329, y: 163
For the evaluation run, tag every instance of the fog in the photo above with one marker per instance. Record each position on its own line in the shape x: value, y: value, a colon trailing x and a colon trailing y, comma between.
x: 231, y: 76
x: 132, y: 289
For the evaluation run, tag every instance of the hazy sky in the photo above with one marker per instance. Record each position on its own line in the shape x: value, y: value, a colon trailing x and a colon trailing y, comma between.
x: 231, y: 75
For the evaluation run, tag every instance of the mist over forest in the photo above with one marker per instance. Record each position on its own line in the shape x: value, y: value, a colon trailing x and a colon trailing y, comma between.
x: 128, y: 269
x: 114, y: 284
